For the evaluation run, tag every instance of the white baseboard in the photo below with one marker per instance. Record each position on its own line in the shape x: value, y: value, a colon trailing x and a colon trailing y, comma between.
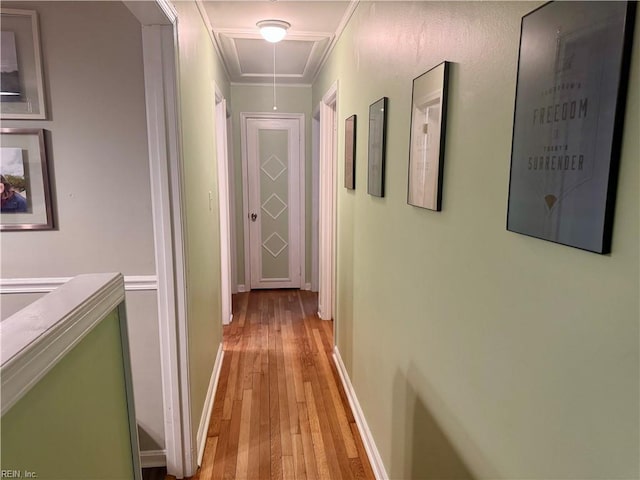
x: 201, y: 438
x: 242, y: 288
x: 153, y: 458
x: 369, y: 444
x: 307, y: 286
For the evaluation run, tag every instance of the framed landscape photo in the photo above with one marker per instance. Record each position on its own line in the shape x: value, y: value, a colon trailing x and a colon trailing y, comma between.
x: 426, y: 152
x: 377, y: 147
x: 21, y: 84
x: 573, y: 72
x: 350, y: 152
x: 25, y: 191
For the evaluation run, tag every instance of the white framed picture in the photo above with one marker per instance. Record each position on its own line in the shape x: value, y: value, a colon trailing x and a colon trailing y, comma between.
x: 25, y: 190
x: 21, y: 83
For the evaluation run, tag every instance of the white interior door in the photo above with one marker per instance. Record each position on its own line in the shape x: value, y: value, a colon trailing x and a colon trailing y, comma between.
x: 274, y: 201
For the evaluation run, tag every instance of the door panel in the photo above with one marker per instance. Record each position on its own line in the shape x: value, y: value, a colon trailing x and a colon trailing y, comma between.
x: 274, y: 205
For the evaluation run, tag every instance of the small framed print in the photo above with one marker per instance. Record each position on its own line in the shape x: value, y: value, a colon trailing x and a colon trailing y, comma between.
x: 573, y: 74
x: 377, y: 147
x: 21, y: 84
x: 428, y: 122
x: 25, y: 191
x: 350, y: 152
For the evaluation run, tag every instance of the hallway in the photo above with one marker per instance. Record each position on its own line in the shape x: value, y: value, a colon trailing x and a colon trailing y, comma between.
x: 280, y: 410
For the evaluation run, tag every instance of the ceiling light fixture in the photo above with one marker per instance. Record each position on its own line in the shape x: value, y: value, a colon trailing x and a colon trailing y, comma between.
x: 273, y: 30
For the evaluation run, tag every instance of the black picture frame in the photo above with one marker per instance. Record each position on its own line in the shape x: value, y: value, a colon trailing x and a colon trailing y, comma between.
x: 573, y: 72
x: 25, y: 173
x: 377, y: 146
x: 350, y: 126
x: 427, y: 139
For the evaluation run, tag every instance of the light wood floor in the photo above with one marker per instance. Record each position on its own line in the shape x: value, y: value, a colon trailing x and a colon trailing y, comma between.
x: 280, y: 411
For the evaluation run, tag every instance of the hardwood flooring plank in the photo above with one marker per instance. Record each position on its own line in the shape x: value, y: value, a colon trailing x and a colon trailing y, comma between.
x: 367, y: 471
x: 231, y: 452
x: 253, y: 470
x: 298, y: 458
x: 206, y: 472
x: 242, y: 462
x: 287, y: 468
x: 283, y: 400
x: 229, y: 398
x: 316, y: 435
x: 336, y: 402
x: 265, y: 429
x: 280, y: 411
x: 219, y: 457
x: 310, y: 464
x: 218, y: 402
x: 333, y: 446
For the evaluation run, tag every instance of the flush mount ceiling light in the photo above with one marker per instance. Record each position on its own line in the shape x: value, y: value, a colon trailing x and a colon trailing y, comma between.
x: 273, y: 30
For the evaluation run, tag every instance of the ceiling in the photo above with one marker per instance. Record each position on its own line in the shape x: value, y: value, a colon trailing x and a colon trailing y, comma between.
x: 315, y: 27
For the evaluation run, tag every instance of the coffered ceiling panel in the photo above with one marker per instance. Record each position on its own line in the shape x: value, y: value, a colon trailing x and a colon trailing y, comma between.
x: 315, y: 27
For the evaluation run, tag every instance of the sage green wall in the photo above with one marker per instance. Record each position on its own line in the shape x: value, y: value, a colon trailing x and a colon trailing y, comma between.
x: 259, y: 98
x: 73, y: 423
x: 199, y: 70
x: 476, y: 352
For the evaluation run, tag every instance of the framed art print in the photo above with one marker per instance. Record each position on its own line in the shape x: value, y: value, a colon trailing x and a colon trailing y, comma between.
x: 350, y: 152
x: 24, y: 188
x: 573, y: 72
x: 426, y: 153
x: 21, y: 85
x: 377, y: 144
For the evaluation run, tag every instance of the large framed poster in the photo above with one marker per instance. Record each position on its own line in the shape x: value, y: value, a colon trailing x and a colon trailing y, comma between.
x: 573, y: 72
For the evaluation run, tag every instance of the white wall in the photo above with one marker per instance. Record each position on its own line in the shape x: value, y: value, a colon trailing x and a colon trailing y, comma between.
x: 97, y: 148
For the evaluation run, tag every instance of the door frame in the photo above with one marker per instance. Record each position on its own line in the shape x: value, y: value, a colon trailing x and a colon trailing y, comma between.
x: 328, y: 201
x: 244, y: 118
x: 224, y: 196
x: 315, y: 196
x: 159, y: 48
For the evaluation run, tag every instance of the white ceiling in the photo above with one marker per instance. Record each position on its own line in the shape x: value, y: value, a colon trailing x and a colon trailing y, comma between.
x: 315, y: 27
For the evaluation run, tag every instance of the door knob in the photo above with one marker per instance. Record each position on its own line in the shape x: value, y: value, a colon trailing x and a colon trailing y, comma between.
x: 254, y: 217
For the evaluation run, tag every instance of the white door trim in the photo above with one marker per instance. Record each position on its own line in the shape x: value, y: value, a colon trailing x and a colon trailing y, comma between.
x: 327, y: 208
x: 315, y: 195
x: 244, y: 117
x: 232, y: 204
x: 163, y: 130
x: 222, y: 161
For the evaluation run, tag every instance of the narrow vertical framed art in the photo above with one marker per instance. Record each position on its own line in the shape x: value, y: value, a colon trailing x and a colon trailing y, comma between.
x: 573, y: 72
x: 350, y: 126
x: 428, y: 127
x: 377, y: 147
